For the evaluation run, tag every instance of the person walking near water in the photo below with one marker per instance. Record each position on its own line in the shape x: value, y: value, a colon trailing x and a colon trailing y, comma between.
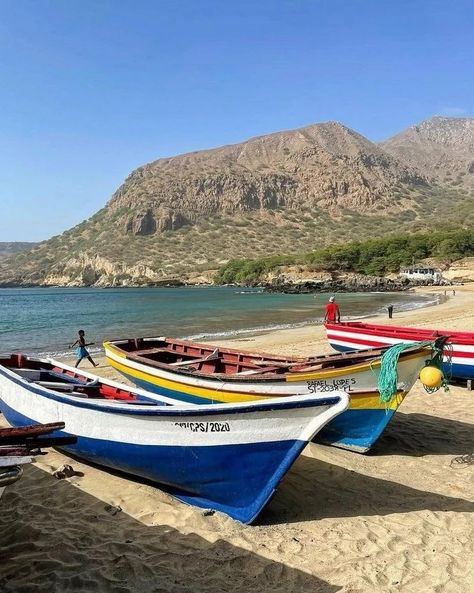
x: 333, y: 314
x: 390, y: 311
x: 81, y: 350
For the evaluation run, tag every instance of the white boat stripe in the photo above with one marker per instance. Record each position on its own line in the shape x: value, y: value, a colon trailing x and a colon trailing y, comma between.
x: 233, y: 428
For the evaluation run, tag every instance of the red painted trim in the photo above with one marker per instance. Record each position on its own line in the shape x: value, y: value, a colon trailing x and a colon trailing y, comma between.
x: 405, y: 333
x: 378, y: 344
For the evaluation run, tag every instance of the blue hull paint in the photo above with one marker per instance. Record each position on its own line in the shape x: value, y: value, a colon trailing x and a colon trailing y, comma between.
x: 238, y: 480
x: 455, y: 371
x: 353, y: 429
x: 356, y: 429
x: 190, y: 399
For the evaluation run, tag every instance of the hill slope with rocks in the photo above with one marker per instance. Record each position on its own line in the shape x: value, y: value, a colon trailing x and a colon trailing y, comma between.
x: 442, y: 147
x: 286, y: 192
x: 9, y: 248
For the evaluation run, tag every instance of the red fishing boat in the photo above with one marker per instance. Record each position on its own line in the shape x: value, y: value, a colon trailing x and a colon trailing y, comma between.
x: 356, y: 335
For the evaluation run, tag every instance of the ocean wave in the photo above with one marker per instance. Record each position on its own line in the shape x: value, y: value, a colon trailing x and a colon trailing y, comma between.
x: 419, y: 303
x: 233, y: 333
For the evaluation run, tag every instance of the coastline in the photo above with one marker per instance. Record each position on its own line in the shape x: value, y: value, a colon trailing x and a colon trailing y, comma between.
x: 457, y: 313
x: 397, y: 520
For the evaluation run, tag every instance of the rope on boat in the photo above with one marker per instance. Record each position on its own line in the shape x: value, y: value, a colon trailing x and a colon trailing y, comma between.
x: 387, y: 382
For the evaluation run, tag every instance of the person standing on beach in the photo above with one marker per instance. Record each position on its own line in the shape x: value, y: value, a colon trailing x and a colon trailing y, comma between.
x: 81, y: 350
x: 333, y: 314
x: 390, y: 311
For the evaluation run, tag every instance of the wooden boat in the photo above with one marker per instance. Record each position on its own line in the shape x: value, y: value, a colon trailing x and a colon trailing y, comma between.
x: 230, y: 458
x: 200, y: 373
x: 19, y: 446
x: 459, y: 348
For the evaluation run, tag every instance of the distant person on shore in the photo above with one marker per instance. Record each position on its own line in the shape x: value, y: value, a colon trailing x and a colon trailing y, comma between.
x: 390, y: 311
x: 454, y: 293
x: 333, y: 314
x: 81, y: 350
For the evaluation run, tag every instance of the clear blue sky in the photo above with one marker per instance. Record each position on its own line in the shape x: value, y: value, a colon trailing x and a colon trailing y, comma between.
x: 90, y: 89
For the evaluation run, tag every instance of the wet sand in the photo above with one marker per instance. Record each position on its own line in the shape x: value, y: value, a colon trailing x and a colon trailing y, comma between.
x: 398, y: 519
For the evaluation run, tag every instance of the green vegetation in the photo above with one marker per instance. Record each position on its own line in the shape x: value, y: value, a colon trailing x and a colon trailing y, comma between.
x: 372, y: 257
x: 254, y: 237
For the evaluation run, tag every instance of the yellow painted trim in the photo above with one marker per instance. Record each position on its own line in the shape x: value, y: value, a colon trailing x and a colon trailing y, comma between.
x: 225, y: 396
x: 363, y: 401
x: 358, y: 401
x: 115, y: 349
x: 328, y: 374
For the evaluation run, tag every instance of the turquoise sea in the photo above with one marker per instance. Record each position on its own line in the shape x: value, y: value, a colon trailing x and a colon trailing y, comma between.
x: 45, y: 320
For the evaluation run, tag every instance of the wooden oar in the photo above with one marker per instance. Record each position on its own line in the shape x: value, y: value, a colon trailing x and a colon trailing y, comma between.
x: 19, y: 434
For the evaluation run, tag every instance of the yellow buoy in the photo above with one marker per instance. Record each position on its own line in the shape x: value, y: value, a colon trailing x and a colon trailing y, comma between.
x: 431, y: 377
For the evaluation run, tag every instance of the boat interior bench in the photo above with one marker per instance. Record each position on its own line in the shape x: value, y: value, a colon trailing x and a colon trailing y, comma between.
x: 56, y: 385
x: 147, y: 351
x: 208, y: 358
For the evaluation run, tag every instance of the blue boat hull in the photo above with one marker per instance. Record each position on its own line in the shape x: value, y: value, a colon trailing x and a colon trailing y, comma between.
x: 357, y: 430
x: 237, y: 476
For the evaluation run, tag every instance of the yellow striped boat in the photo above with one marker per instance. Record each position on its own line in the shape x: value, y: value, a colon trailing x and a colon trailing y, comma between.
x: 203, y: 374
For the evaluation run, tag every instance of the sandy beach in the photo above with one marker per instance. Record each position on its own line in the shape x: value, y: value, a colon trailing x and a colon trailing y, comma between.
x: 400, y: 519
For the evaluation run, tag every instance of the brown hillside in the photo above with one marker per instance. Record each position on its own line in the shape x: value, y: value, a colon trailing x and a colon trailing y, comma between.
x: 443, y: 147
x: 283, y: 193
x: 321, y: 166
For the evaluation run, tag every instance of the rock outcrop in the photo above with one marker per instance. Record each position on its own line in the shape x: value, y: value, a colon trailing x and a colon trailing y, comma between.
x: 321, y: 166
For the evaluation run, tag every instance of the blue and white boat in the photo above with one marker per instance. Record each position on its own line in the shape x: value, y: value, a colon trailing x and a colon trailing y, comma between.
x: 227, y: 457
x: 206, y: 374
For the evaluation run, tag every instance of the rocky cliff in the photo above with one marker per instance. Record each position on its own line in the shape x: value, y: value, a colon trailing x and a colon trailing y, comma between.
x: 321, y: 166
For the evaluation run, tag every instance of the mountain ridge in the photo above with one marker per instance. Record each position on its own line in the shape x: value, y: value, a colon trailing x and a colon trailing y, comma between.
x: 279, y: 193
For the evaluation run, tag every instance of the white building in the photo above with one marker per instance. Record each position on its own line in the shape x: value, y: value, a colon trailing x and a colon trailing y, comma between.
x: 423, y: 273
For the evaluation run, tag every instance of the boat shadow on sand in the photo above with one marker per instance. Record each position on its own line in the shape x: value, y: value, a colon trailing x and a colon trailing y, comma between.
x: 59, y: 536
x: 421, y: 434
x: 314, y: 489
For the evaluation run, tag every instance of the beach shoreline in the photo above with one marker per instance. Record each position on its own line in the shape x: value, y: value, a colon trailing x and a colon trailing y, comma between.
x: 397, y: 520
x: 299, y: 337
x: 454, y: 313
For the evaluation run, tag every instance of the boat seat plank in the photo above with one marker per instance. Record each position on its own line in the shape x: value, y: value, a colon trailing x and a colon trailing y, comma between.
x: 147, y: 351
x: 208, y: 358
x: 56, y: 385
x: 182, y: 363
x: 273, y: 363
x: 261, y: 371
x: 310, y: 369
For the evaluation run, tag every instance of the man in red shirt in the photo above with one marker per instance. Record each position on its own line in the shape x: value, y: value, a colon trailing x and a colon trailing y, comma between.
x: 333, y: 315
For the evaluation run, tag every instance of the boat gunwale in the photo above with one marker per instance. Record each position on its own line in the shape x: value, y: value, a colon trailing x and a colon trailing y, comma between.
x: 180, y: 409
x: 370, y: 358
x: 397, y: 331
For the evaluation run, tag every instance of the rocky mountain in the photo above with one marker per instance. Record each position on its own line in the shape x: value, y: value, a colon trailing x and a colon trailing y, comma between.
x: 282, y: 193
x: 325, y: 165
x: 7, y: 249
x: 442, y: 147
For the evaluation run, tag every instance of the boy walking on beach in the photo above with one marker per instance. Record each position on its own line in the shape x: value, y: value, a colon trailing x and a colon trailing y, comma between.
x: 333, y: 315
x: 81, y: 350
